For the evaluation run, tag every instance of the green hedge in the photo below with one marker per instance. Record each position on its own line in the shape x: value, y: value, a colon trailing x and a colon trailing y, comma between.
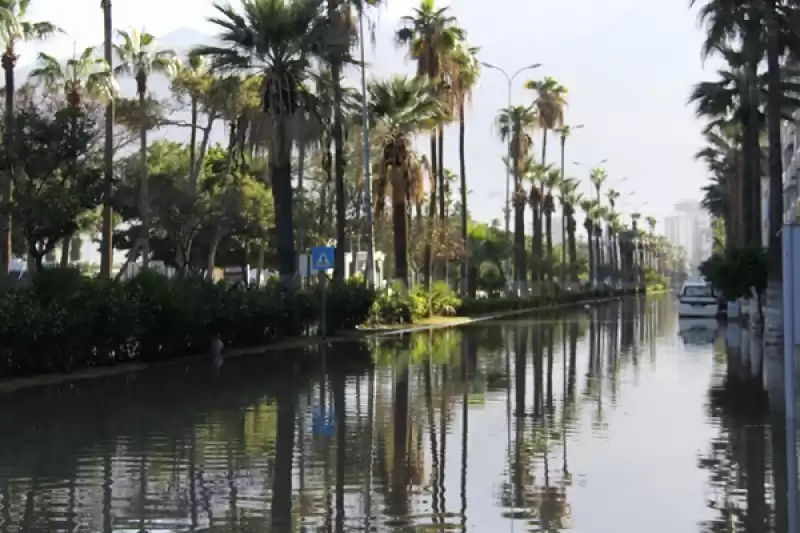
x: 63, y: 320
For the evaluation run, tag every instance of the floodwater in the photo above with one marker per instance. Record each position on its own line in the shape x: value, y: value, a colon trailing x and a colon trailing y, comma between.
x: 610, y: 420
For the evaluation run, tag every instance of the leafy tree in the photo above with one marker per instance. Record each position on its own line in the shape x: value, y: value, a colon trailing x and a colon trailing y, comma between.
x: 57, y: 178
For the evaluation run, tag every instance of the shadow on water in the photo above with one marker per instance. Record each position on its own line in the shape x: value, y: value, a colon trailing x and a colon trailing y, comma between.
x: 540, y: 422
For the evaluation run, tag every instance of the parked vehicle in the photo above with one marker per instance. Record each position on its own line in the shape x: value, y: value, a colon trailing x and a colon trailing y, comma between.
x: 698, y: 299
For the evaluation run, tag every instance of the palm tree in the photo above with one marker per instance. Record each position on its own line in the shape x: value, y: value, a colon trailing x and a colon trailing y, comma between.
x: 82, y: 76
x: 551, y: 182
x: 515, y: 125
x: 589, y: 210
x: 76, y: 79
x: 400, y: 107
x: 433, y: 39
x: 731, y: 99
x: 536, y: 174
x: 468, y: 72
x: 275, y: 40
x: 14, y: 30
x: 638, y: 251
x: 598, y: 177
x: 569, y: 199
x: 613, y: 195
x: 551, y: 101
x: 139, y: 59
x: 724, y: 196
x: 107, y: 246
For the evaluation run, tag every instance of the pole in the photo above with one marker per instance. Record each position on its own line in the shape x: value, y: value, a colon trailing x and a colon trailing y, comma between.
x: 563, y: 218
x: 370, y: 270
x: 323, y: 320
x: 508, y: 192
x: 789, y: 377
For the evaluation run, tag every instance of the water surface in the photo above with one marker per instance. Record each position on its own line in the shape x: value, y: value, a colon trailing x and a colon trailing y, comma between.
x: 608, y: 420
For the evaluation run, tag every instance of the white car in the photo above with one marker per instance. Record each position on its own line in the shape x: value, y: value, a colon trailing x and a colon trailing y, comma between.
x: 697, y: 299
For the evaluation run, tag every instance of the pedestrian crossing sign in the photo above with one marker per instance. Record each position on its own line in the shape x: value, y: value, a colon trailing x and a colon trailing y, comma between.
x: 322, y: 258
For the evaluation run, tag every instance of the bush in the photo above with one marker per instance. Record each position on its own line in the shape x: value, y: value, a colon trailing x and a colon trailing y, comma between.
x: 736, y: 271
x: 63, y: 320
x: 442, y: 300
x: 392, y: 309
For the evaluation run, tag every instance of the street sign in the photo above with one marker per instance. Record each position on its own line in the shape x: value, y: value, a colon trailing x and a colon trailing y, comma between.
x: 322, y: 258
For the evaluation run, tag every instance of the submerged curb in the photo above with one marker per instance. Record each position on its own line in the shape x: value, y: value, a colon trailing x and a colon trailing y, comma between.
x: 16, y: 384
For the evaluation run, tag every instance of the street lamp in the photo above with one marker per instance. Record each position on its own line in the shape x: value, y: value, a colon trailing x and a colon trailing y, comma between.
x: 507, y: 210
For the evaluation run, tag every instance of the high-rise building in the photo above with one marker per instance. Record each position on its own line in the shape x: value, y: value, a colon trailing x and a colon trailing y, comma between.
x: 690, y: 228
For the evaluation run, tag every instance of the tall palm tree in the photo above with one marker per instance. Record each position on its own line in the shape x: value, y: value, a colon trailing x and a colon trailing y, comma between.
x: 638, y: 251
x: 15, y: 29
x: 589, y: 210
x: 735, y: 97
x: 400, y: 107
x: 515, y: 125
x: 536, y: 174
x: 107, y: 246
x: 613, y: 195
x: 598, y: 177
x: 139, y: 59
x: 551, y: 182
x: 723, y: 197
x: 433, y: 38
x: 275, y: 40
x: 551, y: 102
x: 467, y: 72
x: 569, y: 199
x: 82, y: 76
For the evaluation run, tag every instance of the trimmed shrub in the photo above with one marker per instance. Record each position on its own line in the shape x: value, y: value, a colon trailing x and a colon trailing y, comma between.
x: 62, y: 320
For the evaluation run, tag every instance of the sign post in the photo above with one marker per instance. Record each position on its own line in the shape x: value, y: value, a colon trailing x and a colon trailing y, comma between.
x: 322, y: 258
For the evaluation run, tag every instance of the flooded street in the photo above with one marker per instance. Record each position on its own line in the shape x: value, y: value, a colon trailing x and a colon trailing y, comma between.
x: 608, y: 420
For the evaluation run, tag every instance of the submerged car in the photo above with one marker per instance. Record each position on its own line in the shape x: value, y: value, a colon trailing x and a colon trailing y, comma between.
x: 698, y: 299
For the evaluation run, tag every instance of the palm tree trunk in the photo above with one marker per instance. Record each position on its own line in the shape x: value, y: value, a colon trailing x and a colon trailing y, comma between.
x: 773, y: 318
x: 592, y: 261
x: 544, y: 146
x: 6, y: 181
x: 281, y: 176
x: 107, y: 246
x: 440, y: 173
x: 400, y: 222
x: 428, y: 268
x: 65, y: 245
x: 338, y: 149
x: 465, y: 288
x: 519, y: 236
x: 548, y: 232
x: 572, y: 227
x: 144, y: 199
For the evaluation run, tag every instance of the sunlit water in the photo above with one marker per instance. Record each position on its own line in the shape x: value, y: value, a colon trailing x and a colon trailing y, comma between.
x: 607, y: 420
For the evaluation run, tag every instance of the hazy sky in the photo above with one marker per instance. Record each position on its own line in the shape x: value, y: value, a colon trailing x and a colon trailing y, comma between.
x: 628, y: 64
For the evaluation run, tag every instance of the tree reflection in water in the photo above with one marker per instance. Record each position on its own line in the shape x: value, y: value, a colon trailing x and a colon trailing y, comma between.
x: 371, y: 440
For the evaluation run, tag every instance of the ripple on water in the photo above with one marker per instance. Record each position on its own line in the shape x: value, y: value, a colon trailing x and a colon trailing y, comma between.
x: 554, y: 408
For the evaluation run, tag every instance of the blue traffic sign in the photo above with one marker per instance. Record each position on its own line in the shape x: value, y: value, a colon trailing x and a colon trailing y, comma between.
x: 322, y: 258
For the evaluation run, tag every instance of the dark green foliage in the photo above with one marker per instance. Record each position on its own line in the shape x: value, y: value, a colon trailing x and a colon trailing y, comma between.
x: 348, y: 303
x: 392, y: 309
x: 56, y: 177
x: 736, y: 271
x: 64, y: 321
x: 441, y: 300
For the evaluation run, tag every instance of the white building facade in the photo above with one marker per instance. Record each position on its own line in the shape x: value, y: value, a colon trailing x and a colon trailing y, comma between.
x: 690, y: 228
